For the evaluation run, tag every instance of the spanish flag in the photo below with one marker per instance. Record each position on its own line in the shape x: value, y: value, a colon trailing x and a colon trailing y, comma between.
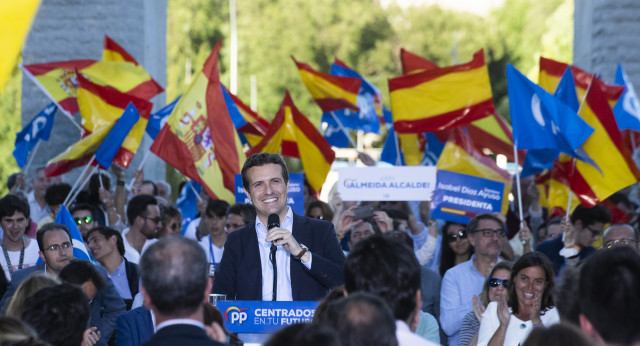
x: 15, y: 20
x: 59, y: 81
x: 460, y: 155
x: 199, y: 138
x: 615, y: 169
x: 101, y: 106
x: 330, y: 92
x: 412, y: 63
x: 255, y: 127
x: 78, y: 154
x: 112, y: 51
x: 554, y: 187
x: 292, y: 134
x: 440, y: 99
x: 551, y: 72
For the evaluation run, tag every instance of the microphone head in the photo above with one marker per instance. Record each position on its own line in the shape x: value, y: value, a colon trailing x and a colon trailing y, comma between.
x: 273, y: 221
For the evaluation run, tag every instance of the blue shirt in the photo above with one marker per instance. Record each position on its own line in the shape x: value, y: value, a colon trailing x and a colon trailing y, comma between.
x: 120, y: 281
x: 459, y: 285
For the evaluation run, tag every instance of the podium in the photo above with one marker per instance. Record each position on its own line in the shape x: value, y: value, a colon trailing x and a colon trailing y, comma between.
x: 255, y: 321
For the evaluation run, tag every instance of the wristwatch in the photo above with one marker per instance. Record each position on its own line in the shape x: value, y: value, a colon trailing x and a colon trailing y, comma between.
x: 304, y: 251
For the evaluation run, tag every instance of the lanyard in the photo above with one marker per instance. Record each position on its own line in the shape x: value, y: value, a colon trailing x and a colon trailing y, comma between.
x: 213, y: 259
x: 6, y: 257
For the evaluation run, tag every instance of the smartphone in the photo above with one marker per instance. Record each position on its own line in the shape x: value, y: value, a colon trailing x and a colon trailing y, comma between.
x: 363, y: 212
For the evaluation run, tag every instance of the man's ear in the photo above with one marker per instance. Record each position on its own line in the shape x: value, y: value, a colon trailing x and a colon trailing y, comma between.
x: 146, y: 301
x: 586, y: 326
x: 41, y: 254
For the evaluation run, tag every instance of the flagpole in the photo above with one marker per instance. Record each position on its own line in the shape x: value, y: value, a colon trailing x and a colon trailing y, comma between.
x: 573, y: 167
x: 33, y: 155
x: 344, y: 130
x: 396, y: 140
x: 193, y: 188
x: 84, y: 182
x: 515, y: 156
x: 68, y: 199
x: 133, y: 179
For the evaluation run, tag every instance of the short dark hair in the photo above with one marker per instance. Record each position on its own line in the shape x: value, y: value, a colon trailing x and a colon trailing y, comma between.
x: 532, y: 259
x: 246, y: 210
x: 59, y: 314
x: 388, y: 268
x: 77, y: 272
x: 82, y: 206
x: 174, y: 272
x: 56, y: 194
x: 53, y: 226
x: 261, y: 159
x: 217, y: 207
x: 168, y: 212
x: 138, y: 206
x: 108, y: 232
x: 362, y: 319
x: 473, y: 223
x: 324, y: 206
x: 304, y: 334
x: 589, y: 216
x: 155, y: 187
x: 609, y: 286
x: 10, y: 204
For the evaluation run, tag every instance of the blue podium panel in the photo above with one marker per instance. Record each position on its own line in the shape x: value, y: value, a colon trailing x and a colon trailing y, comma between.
x: 264, y: 316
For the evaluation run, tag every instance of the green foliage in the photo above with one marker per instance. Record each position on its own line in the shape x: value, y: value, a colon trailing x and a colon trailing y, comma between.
x: 9, y: 126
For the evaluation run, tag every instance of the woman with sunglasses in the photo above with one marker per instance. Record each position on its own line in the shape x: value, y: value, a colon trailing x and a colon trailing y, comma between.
x: 494, y: 289
x: 529, y: 304
x: 455, y: 246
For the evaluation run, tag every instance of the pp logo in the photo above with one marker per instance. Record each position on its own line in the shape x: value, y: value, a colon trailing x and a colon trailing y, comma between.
x: 236, y: 315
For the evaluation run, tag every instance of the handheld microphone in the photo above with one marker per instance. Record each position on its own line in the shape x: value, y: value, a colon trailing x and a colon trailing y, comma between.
x: 273, y: 221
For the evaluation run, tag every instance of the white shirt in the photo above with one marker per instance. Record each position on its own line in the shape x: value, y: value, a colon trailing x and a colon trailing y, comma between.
x: 177, y: 321
x: 283, y: 260
x: 214, y: 253
x: 190, y: 232
x: 517, y: 330
x: 36, y: 212
x: 408, y: 338
x: 30, y: 257
x: 130, y: 253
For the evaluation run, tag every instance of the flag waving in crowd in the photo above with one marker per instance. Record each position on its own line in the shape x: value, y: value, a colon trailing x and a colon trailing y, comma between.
x: 39, y: 128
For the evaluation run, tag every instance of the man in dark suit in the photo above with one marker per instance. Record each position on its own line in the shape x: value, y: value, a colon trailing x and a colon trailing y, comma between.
x: 308, y: 257
x: 56, y: 251
x: 175, y: 282
x: 135, y: 327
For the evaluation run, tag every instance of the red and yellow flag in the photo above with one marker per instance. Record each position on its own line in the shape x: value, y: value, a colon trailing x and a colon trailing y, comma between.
x: 112, y: 51
x: 615, y: 169
x: 460, y: 155
x: 331, y: 93
x: 101, y: 106
x: 551, y: 72
x: 199, y: 138
x: 444, y: 98
x: 77, y: 155
x: 292, y: 134
x: 412, y: 63
x: 59, y: 81
x: 256, y: 126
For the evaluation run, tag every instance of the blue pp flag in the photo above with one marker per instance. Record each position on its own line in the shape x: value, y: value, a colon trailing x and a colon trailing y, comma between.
x: 111, y: 144
x: 368, y: 96
x: 336, y: 137
x: 541, y: 121
x: 627, y: 109
x: 159, y: 118
x: 187, y: 202
x: 38, y: 128
x: 432, y: 151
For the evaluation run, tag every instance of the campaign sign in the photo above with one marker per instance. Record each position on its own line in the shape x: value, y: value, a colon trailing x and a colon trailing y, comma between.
x: 295, y: 196
x: 386, y: 183
x: 264, y: 316
x: 460, y: 197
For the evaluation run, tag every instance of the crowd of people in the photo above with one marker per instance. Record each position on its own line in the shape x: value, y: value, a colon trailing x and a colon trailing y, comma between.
x: 384, y: 272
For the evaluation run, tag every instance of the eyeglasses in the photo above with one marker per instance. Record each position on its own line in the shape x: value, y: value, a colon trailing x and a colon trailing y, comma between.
x: 462, y: 234
x: 620, y: 242
x: 79, y: 220
x: 56, y: 247
x: 488, y: 232
x: 494, y: 282
x: 156, y: 219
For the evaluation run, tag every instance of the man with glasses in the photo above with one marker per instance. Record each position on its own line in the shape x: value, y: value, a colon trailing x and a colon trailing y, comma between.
x: 84, y: 218
x: 18, y: 251
x: 585, y: 228
x: 145, y: 224
x: 465, y: 280
x: 620, y: 234
x: 56, y: 251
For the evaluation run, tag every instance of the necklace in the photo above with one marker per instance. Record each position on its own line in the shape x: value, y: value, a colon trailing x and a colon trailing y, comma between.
x: 6, y: 257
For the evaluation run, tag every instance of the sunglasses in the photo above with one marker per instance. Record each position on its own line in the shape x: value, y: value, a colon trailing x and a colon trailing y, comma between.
x: 79, y: 220
x: 493, y: 282
x: 462, y: 234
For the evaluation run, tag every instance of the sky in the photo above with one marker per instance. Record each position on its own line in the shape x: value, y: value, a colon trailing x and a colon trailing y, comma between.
x: 479, y: 7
